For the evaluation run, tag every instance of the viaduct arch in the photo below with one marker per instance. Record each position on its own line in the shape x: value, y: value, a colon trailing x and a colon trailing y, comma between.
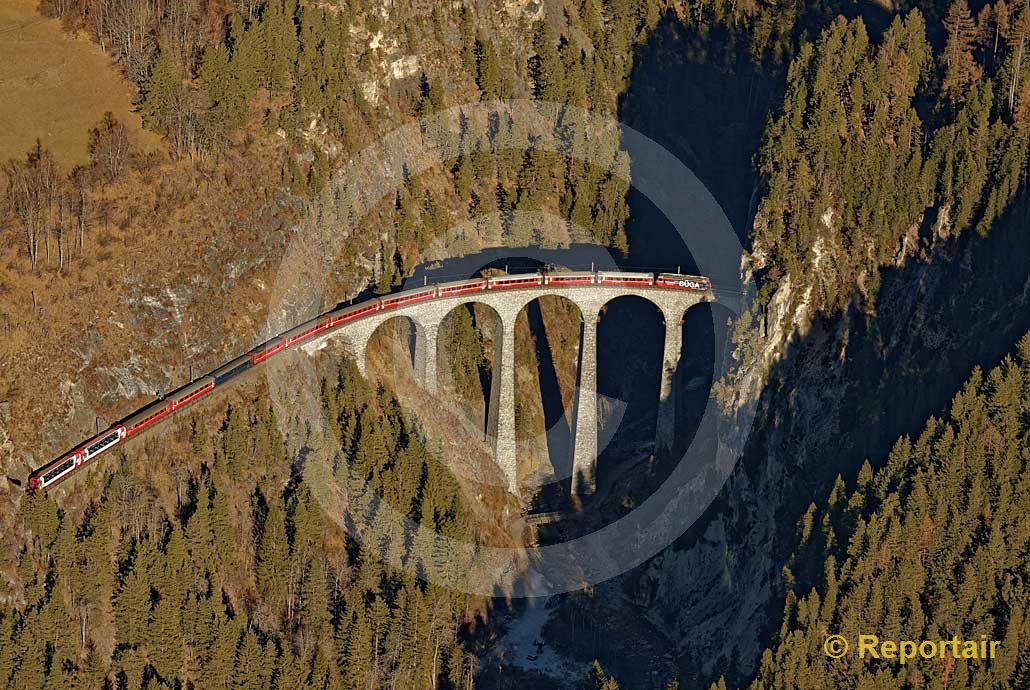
x: 590, y: 299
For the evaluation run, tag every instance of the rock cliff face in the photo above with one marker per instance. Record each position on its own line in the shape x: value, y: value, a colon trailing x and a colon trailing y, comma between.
x: 831, y: 391
x: 838, y: 391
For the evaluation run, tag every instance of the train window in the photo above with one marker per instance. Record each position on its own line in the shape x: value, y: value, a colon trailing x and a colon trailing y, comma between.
x: 102, y: 443
x: 58, y: 471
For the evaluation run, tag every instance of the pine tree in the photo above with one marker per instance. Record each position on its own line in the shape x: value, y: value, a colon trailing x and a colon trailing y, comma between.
x: 433, y: 96
x: 373, y: 449
x: 488, y: 71
x: 356, y: 667
x: 309, y: 91
x: 281, y: 43
x: 546, y: 66
x: 199, y: 536
x: 465, y: 354
x: 961, y: 68
x: 251, y: 670
x: 273, y: 559
x: 133, y: 607
x: 248, y: 55
x: 597, y: 679
x: 7, y: 646
x: 222, y: 530
x: 163, y: 94
x: 219, y: 667
x: 314, y: 601
x: 228, y: 95
x: 55, y: 625
x: 165, y: 638
x: 236, y: 442
x: 468, y: 41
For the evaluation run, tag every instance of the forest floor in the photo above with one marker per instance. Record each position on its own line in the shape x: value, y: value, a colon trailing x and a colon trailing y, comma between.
x: 56, y: 87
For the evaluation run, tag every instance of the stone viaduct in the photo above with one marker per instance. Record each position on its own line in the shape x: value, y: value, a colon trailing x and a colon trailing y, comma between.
x: 591, y: 299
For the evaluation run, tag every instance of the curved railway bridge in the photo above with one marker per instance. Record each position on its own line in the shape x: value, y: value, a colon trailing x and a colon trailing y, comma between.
x: 427, y: 307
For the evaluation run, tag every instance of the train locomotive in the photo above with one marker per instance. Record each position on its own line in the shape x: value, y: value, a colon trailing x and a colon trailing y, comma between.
x: 58, y: 470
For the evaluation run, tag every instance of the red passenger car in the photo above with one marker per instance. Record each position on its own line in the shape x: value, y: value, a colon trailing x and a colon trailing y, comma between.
x: 570, y: 278
x: 408, y: 297
x: 350, y: 313
x: 263, y: 352
x: 305, y: 331
x: 147, y: 416
x: 515, y: 281
x: 462, y: 287
x: 625, y: 278
x: 185, y: 396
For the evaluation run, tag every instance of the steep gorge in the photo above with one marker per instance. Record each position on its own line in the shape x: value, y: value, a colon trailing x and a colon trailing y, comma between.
x: 841, y: 389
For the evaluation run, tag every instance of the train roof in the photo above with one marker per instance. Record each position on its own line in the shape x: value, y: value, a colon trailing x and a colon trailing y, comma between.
x: 409, y: 293
x: 516, y: 276
x: 307, y: 326
x: 192, y: 388
x: 625, y: 274
x: 145, y: 412
x: 571, y: 274
x: 352, y: 308
x: 455, y: 283
x: 268, y: 345
x: 681, y: 276
x: 239, y: 361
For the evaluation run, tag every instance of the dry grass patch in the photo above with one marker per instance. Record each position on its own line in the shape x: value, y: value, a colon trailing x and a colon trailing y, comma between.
x: 56, y: 87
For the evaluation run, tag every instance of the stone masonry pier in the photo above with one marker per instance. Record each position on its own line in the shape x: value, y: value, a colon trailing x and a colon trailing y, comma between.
x: 591, y: 299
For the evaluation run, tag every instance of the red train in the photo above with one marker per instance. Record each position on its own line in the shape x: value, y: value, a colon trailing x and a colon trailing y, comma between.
x: 60, y: 469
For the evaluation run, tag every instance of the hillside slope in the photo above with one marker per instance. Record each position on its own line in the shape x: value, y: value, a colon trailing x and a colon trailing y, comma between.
x: 933, y: 545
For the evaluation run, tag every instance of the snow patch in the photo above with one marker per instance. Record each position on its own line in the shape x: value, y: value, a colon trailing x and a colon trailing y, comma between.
x: 523, y: 645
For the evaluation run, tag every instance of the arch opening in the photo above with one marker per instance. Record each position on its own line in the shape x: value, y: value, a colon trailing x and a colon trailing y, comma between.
x: 548, y: 332
x: 705, y: 332
x: 468, y: 358
x: 630, y: 338
x: 394, y: 348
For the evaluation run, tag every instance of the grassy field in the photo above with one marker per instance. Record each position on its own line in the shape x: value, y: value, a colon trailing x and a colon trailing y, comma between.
x: 55, y: 87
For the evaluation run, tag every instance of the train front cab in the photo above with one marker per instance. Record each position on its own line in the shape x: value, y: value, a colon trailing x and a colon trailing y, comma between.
x: 55, y: 472
x: 679, y: 281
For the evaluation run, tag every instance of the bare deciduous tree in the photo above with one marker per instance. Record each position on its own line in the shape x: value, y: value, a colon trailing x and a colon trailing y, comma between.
x: 81, y: 183
x: 129, y: 28
x: 109, y: 146
x: 32, y: 189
